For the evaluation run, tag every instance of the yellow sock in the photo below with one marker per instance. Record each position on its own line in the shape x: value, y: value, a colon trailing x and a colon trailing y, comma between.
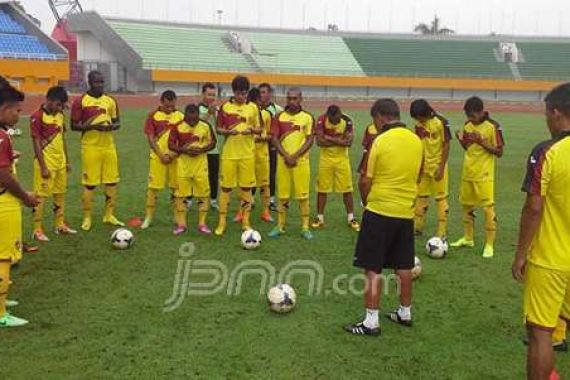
x: 38, y: 214
x: 5, y: 266
x: 180, y: 211
x: 282, y: 216
x: 422, y: 204
x: 59, y: 209
x: 223, y: 208
x: 304, y: 208
x: 110, y: 199
x: 490, y: 225
x: 469, y: 222
x: 265, y: 198
x: 559, y: 333
x: 203, y: 207
x: 87, y: 200
x: 150, y: 204
x: 442, y: 217
x: 245, y: 207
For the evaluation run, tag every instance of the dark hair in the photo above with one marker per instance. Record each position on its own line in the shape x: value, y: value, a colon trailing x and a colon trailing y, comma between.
x: 333, y: 110
x: 473, y: 104
x: 240, y: 83
x: 265, y: 85
x: 191, y: 109
x: 253, y: 95
x: 57, y: 93
x: 295, y: 89
x: 208, y: 85
x: 168, y: 95
x: 385, y: 107
x: 92, y: 75
x: 10, y: 95
x: 421, y: 108
x: 559, y: 98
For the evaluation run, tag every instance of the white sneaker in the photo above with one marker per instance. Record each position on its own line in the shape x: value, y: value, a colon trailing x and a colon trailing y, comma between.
x: 12, y: 303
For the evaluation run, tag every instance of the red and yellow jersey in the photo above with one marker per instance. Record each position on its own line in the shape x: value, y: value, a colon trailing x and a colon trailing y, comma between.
x: 341, y: 130
x: 239, y: 117
x: 292, y: 130
x: 548, y: 176
x: 91, y: 110
x: 198, y: 136
x: 479, y: 165
x: 434, y: 133
x: 262, y: 148
x: 6, y: 161
x: 370, y: 134
x: 49, y: 129
x: 159, y: 124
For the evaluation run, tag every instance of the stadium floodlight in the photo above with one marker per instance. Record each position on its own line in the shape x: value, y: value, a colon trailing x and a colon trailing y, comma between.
x: 61, y: 9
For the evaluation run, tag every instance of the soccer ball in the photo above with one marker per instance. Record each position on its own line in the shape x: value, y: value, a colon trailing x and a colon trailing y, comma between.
x: 122, y: 238
x: 281, y: 298
x: 250, y: 239
x: 436, y: 248
x: 417, y: 269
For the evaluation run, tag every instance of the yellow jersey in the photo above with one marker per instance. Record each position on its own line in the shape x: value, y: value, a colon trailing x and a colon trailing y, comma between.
x: 292, y: 130
x: 7, y: 200
x: 49, y: 129
x: 239, y: 117
x: 548, y: 175
x: 394, y: 165
x: 198, y: 136
x: 344, y: 128
x: 434, y: 133
x: 91, y: 110
x: 479, y: 165
x: 159, y: 124
x: 262, y: 148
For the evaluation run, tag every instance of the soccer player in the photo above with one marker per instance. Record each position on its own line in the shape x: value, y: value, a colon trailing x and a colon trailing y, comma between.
x: 482, y: 140
x: 96, y: 116
x: 162, y: 167
x: 335, y: 133
x: 433, y: 130
x: 389, y: 189
x: 542, y: 261
x: 192, y: 139
x: 12, y: 195
x: 51, y: 163
x: 209, y: 113
x: 293, y: 135
x: 238, y: 121
x: 266, y: 93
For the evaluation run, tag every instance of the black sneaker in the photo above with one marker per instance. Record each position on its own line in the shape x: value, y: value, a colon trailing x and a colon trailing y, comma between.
x: 360, y: 329
x: 395, y: 317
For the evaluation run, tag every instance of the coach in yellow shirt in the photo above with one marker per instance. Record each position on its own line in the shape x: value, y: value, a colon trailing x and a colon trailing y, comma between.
x: 96, y: 116
x: 542, y: 259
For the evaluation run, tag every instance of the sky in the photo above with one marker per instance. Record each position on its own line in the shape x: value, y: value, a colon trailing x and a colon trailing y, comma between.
x: 521, y: 17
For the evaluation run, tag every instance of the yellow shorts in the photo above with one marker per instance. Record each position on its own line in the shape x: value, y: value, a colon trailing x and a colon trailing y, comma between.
x: 479, y: 194
x: 11, y: 232
x: 298, y: 177
x: 99, y: 165
x: 429, y: 187
x: 334, y: 176
x: 546, y: 296
x: 159, y: 174
x: 55, y: 184
x: 234, y: 173
x: 262, y: 170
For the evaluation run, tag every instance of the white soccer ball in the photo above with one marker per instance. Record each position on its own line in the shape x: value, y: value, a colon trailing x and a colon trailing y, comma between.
x: 281, y: 298
x: 436, y: 248
x: 122, y: 238
x: 250, y: 239
x: 417, y: 269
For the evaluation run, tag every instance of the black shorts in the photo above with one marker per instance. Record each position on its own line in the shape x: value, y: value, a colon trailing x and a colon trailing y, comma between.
x: 385, y: 242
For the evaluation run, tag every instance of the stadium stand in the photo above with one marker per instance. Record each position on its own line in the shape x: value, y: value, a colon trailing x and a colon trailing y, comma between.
x: 15, y: 42
x: 550, y: 60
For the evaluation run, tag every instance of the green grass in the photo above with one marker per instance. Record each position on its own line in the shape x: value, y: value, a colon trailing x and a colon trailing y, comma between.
x: 97, y: 313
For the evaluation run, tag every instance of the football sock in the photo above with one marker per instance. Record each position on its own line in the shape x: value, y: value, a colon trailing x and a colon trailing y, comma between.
x: 350, y: 216
x: 87, y: 200
x: 490, y: 225
x: 180, y: 211
x: 422, y: 204
x: 5, y: 266
x: 283, y: 208
x: 304, y: 208
x: 245, y: 207
x: 405, y: 312
x: 442, y: 217
x: 559, y: 333
x: 150, y: 205
x: 59, y: 209
x: 38, y: 214
x: 265, y: 198
x: 321, y: 218
x: 371, y: 319
x: 223, y: 208
x: 468, y: 222
x: 110, y: 199
x: 203, y: 206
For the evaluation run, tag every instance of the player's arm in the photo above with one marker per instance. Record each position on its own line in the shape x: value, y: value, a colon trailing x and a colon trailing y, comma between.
x: 11, y: 185
x: 275, y: 140
x: 529, y: 224
x: 149, y: 130
x: 221, y: 127
x: 67, y: 162
x: 35, y: 127
x: 444, y: 153
x: 365, y: 181
x: 322, y: 139
x: 496, y: 146
x: 210, y: 146
x: 257, y: 127
x: 115, y: 117
x: 460, y: 137
x: 304, y: 148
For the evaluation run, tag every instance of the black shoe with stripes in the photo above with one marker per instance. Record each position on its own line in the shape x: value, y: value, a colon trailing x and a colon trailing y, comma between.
x: 360, y: 329
x: 395, y: 317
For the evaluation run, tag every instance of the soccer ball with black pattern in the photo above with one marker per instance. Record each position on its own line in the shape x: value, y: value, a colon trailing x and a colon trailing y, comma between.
x: 436, y: 248
x: 122, y: 238
x: 281, y: 298
x: 250, y: 239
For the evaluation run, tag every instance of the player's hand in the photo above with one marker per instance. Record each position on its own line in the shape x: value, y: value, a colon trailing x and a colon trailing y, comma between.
x: 247, y: 132
x: 16, y: 154
x: 439, y: 173
x: 165, y: 159
x: 31, y: 200
x: 459, y: 135
x: 291, y: 161
x: 233, y: 132
x: 519, y: 268
x: 45, y: 173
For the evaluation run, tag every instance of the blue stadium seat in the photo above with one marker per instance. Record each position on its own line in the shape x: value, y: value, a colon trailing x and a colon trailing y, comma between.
x: 15, y: 41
